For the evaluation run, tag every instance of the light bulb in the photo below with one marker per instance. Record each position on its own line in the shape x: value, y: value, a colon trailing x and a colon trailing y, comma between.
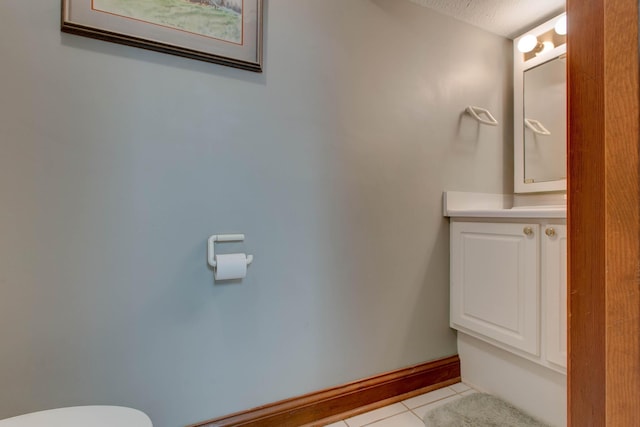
x: 561, y: 25
x: 527, y: 43
x: 546, y: 47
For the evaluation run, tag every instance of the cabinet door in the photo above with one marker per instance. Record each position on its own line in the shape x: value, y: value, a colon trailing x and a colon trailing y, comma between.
x: 494, y: 282
x: 554, y: 281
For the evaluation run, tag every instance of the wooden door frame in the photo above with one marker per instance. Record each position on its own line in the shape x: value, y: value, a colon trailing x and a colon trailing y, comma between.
x: 603, y: 213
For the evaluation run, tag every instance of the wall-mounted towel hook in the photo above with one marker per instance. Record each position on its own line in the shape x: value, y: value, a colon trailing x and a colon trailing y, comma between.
x: 223, y: 238
x: 476, y: 113
x: 536, y: 127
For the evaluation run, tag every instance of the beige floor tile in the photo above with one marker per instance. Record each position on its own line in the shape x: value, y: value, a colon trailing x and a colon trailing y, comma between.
x: 375, y: 415
x: 427, y: 398
x: 460, y: 387
x: 405, y: 419
x: 338, y: 424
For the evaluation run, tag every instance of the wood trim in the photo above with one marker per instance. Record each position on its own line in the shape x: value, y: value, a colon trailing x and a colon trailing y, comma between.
x: 603, y: 213
x: 326, y: 406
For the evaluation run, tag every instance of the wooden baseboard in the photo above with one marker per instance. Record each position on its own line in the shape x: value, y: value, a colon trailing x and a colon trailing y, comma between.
x: 326, y: 406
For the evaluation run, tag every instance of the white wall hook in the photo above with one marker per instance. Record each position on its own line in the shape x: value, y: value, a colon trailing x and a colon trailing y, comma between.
x: 477, y: 112
x: 223, y: 238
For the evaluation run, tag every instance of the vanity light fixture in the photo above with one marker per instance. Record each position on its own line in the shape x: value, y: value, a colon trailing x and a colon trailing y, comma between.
x: 546, y: 46
x: 543, y: 39
x: 561, y: 25
x: 527, y: 43
x: 530, y: 43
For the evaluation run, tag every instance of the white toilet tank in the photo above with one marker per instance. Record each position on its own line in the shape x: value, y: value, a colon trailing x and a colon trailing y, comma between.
x: 81, y: 416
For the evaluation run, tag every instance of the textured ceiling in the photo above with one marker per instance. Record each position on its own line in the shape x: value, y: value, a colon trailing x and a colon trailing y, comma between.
x: 508, y: 18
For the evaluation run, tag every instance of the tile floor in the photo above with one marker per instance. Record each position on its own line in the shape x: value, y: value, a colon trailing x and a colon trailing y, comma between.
x: 408, y: 413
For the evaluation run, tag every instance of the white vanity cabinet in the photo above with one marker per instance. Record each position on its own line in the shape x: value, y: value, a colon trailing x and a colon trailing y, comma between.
x: 508, y: 285
x: 508, y: 297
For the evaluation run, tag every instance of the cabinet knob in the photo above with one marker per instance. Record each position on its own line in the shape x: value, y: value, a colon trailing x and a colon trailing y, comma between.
x: 550, y: 232
x: 528, y: 231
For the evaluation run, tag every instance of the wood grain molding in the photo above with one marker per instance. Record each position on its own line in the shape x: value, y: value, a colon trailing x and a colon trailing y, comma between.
x: 603, y: 213
x: 326, y: 406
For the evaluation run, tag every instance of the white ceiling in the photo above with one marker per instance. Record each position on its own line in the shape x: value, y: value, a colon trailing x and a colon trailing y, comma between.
x: 508, y: 18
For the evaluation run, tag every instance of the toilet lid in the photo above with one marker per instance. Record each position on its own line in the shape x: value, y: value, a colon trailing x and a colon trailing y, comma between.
x: 81, y: 416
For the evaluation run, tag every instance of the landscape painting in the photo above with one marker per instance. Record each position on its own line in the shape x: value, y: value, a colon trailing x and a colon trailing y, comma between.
x: 218, y: 19
x: 227, y: 32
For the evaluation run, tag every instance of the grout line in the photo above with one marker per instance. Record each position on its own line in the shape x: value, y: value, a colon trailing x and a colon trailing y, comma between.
x: 385, y: 418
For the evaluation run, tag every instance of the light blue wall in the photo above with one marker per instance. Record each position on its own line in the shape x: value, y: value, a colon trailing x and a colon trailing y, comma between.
x: 117, y: 163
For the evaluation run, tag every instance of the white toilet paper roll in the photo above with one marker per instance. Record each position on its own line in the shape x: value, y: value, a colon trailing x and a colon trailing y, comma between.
x: 230, y: 266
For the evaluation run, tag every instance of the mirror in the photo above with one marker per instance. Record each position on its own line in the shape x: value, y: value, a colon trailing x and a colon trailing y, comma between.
x: 545, y: 122
x: 540, y: 110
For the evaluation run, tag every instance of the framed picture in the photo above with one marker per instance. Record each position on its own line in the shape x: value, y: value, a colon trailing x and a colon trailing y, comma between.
x: 227, y: 32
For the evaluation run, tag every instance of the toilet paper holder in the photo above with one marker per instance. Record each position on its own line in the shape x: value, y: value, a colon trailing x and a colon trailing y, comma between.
x: 223, y: 238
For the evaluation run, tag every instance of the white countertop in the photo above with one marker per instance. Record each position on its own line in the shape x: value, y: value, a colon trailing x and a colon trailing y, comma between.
x: 483, y: 205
